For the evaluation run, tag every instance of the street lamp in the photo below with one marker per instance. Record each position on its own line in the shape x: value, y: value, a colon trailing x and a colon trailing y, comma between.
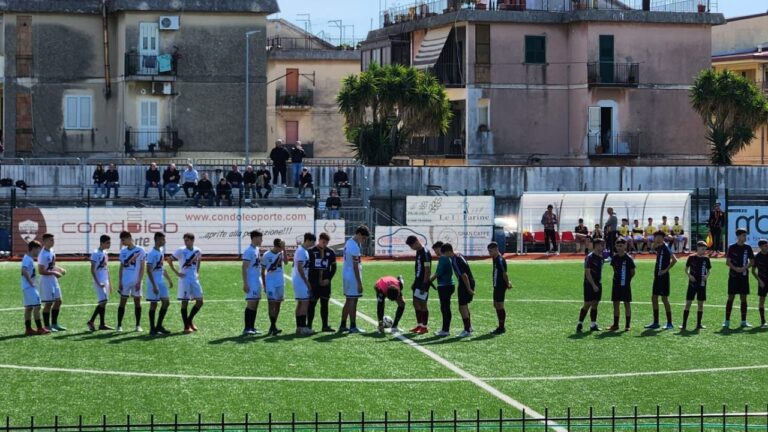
x: 248, y: 95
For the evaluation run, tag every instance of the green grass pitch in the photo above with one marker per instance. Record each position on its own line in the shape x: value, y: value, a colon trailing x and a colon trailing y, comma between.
x: 539, y: 362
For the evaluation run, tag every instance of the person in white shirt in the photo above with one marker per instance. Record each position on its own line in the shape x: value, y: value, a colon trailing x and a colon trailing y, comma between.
x: 101, y: 285
x: 274, y: 283
x: 352, y: 277
x: 50, y: 291
x: 132, y: 260
x: 29, y: 291
x: 252, y: 282
x: 157, y: 289
x: 190, y: 259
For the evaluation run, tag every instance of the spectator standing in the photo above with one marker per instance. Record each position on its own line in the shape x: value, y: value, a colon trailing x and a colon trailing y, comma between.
x: 190, y: 178
x: 223, y: 192
x: 204, y: 190
x: 611, y: 230
x: 112, y: 180
x: 171, y: 179
x: 305, y: 181
x: 152, y: 180
x: 262, y: 180
x: 333, y: 204
x: 99, y: 191
x: 549, y: 220
x: 279, y: 156
x: 235, y: 179
x: 341, y: 181
x: 715, y: 224
x: 297, y: 162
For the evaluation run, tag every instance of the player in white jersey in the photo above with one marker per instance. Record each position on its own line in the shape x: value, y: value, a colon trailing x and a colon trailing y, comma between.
x: 157, y: 290
x: 50, y: 291
x: 352, y: 277
x: 29, y: 291
x: 300, y: 280
x: 274, y: 284
x: 252, y: 282
x: 132, y: 260
x: 189, y: 258
x: 101, y: 285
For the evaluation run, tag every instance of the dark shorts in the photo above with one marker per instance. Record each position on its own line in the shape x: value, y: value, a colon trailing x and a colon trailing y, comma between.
x: 464, y: 296
x: 661, y: 285
x: 696, y: 292
x: 738, y: 285
x: 590, y: 295
x: 319, y: 292
x: 499, y: 293
x: 762, y: 292
x: 621, y: 293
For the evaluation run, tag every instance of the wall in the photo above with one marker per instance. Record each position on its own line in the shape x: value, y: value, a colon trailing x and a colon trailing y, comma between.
x: 740, y: 35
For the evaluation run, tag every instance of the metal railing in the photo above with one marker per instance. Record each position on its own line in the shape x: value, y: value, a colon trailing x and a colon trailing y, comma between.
x: 621, y: 144
x: 613, y: 74
x: 616, y: 420
x: 449, y: 74
x: 299, y: 99
x: 152, y: 140
x: 312, y: 43
x: 443, y: 146
x: 150, y: 64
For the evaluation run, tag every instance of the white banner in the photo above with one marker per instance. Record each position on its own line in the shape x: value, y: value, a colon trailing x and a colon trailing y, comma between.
x: 754, y: 219
x: 470, y: 241
x: 217, y: 230
x: 449, y: 210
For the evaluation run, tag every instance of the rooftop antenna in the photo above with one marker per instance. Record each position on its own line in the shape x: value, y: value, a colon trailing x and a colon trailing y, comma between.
x: 340, y: 25
x: 307, y: 20
x: 352, y: 42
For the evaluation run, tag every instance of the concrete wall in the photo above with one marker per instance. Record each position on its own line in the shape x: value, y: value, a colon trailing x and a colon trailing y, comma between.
x: 740, y: 34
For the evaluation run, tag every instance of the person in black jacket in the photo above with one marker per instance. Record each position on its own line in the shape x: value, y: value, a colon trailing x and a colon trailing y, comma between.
x: 297, y: 162
x: 333, y: 204
x: 249, y: 182
x: 204, y: 190
x: 262, y: 180
x: 279, y: 156
x: 341, y: 181
x: 99, y: 191
x: 112, y: 180
x: 322, y: 268
x: 171, y: 179
x: 235, y: 179
x: 223, y: 192
x: 305, y: 182
x: 152, y: 180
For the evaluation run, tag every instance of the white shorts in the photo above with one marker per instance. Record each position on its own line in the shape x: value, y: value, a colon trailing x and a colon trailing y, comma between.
x: 193, y: 289
x: 680, y: 237
x: 162, y: 291
x: 181, y: 290
x: 628, y: 238
x: 50, y: 290
x: 31, y: 297
x: 350, y: 288
x: 276, y: 293
x: 649, y: 239
x: 128, y: 289
x: 421, y: 295
x: 639, y: 238
x: 300, y: 289
x: 254, y: 291
x: 102, y: 294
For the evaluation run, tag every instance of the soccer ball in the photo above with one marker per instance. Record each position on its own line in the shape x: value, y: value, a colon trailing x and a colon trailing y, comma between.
x: 387, y: 321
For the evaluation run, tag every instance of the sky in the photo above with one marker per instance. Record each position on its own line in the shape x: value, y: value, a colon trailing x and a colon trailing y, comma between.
x: 361, y: 13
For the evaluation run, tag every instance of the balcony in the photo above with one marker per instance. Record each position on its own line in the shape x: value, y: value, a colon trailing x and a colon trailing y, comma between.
x: 301, y: 100
x: 436, y: 147
x: 151, y: 67
x: 449, y: 74
x: 610, y: 74
x: 166, y: 140
x: 621, y: 145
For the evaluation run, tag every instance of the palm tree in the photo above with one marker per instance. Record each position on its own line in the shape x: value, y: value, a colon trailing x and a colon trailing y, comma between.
x: 732, y: 108
x: 385, y: 106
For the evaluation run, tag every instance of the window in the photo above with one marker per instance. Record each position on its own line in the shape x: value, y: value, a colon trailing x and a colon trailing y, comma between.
x: 483, y: 44
x: 77, y: 112
x: 535, y: 49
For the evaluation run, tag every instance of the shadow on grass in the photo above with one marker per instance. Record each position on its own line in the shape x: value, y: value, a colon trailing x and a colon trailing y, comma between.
x: 145, y: 337
x: 14, y: 337
x: 610, y: 334
x: 239, y: 339
x: 650, y: 332
x: 579, y: 335
x: 69, y: 335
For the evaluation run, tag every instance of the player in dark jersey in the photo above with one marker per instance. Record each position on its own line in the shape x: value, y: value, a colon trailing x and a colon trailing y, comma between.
x: 760, y: 272
x: 697, y: 267
x: 466, y: 290
x: 420, y: 286
x: 665, y: 260
x: 739, y: 259
x: 500, y: 286
x: 593, y: 289
x: 623, y: 272
x: 322, y: 268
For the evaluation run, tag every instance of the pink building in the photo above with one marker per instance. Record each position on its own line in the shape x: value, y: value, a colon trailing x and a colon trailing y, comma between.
x: 558, y: 82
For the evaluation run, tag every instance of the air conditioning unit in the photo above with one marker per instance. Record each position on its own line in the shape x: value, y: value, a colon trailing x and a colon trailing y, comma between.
x: 164, y: 88
x: 169, y: 23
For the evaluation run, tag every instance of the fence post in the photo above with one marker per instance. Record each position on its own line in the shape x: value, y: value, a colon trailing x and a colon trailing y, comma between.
x: 56, y: 423
x: 431, y: 420
x: 104, y: 423
x: 568, y: 418
x: 175, y: 422
x: 478, y: 421
x: 386, y: 421
x: 657, y: 418
x: 501, y: 419
x: 701, y: 418
x: 362, y: 421
x: 590, y: 419
x: 723, y: 417
x: 199, y: 422
x: 613, y: 418
x: 454, y: 420
x: 293, y: 421
x: 746, y: 417
x: 523, y: 419
x: 128, y: 423
x: 680, y: 418
x: 635, y: 418
x: 408, y: 424
x: 151, y: 422
x: 316, y: 420
x: 222, y: 422
x: 269, y: 423
x: 339, y: 421
x: 32, y: 424
x: 80, y: 423
x: 546, y: 418
x: 246, y: 422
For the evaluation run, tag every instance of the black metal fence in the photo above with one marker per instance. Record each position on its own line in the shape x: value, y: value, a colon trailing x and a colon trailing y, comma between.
x: 303, y: 98
x: 150, y: 64
x: 442, y: 146
x: 613, y: 74
x: 166, y: 140
x: 624, y: 144
x: 724, y: 420
x: 449, y: 74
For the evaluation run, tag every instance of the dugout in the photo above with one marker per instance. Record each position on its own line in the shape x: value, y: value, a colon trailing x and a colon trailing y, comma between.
x: 592, y: 206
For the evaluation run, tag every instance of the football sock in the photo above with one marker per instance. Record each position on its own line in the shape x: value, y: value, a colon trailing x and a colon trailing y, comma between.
x: 699, y: 314
x: 501, y: 314
x: 744, y: 311
x: 467, y: 323
x: 669, y: 316
x: 151, y: 319
x: 655, y: 316
x: 728, y: 308
x: 343, y: 323
x: 445, y: 309
x: 583, y: 314
x: 161, y: 316
x: 55, y: 316
x: 352, y: 321
x: 615, y: 320
x: 324, y: 311
x: 425, y: 316
x: 685, y: 317
x: 398, y: 315
x: 28, y: 324
x: 120, y: 314
x: 311, y: 312
x: 593, y: 314
x: 193, y: 312
x: 272, y: 320
x: 184, y: 317
x: 95, y: 313
x: 102, y: 311
x: 137, y: 314
x: 246, y: 318
x: 627, y: 320
x: 762, y: 315
x: 298, y: 321
x: 38, y: 323
x: 419, y: 317
x: 380, y: 310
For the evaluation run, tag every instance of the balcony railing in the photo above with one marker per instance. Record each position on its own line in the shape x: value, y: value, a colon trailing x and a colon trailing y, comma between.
x: 150, y: 65
x: 166, y: 140
x: 624, y: 144
x: 443, y: 146
x: 449, y: 74
x: 612, y: 74
x: 300, y: 99
x: 312, y: 43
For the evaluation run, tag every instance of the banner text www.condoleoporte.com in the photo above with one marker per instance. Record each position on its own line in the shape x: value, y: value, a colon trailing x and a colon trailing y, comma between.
x: 245, y: 217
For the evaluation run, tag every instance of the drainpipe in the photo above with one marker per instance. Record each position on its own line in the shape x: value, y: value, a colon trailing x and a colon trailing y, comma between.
x: 762, y: 145
x: 107, y: 79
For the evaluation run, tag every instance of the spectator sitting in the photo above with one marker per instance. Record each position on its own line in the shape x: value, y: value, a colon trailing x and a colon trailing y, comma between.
x: 341, y: 181
x: 171, y: 179
x: 99, y: 191
x: 112, y: 180
x: 333, y: 204
x: 235, y: 179
x: 204, y: 190
x: 249, y: 182
x: 190, y: 178
x: 262, y: 180
x: 597, y: 233
x: 152, y: 180
x: 297, y: 163
x: 305, y: 181
x: 580, y: 233
x: 223, y: 192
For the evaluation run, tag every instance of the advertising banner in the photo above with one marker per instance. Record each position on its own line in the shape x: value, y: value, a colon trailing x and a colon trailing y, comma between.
x: 449, y: 210
x: 754, y: 219
x: 470, y: 241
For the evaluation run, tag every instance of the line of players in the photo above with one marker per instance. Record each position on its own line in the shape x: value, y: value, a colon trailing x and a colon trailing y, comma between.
x: 740, y: 259
x: 314, y: 266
